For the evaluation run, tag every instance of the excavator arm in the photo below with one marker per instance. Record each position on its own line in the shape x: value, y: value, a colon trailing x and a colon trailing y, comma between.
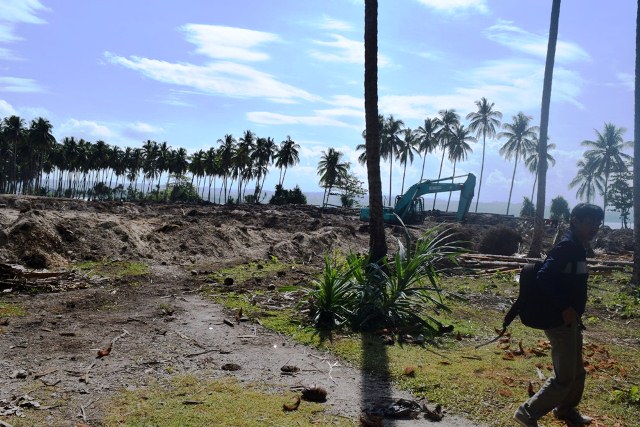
x: 406, y: 205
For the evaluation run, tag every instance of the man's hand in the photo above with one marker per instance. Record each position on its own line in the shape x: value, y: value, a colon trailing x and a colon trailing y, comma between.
x: 569, y: 316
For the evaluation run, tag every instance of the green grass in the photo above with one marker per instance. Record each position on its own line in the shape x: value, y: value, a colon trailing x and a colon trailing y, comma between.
x: 250, y: 271
x: 485, y: 384
x: 8, y: 309
x: 113, y: 269
x: 224, y: 403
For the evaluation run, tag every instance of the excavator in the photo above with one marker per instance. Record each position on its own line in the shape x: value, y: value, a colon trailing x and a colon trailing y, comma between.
x: 409, y: 207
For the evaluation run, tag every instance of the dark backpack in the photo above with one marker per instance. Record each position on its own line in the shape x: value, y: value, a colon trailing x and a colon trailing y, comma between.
x: 533, y: 306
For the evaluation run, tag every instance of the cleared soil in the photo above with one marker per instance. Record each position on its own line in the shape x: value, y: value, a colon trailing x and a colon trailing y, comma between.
x: 159, y: 323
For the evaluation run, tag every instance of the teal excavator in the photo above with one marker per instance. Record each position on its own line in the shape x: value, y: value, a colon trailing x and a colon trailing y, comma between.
x: 410, y: 206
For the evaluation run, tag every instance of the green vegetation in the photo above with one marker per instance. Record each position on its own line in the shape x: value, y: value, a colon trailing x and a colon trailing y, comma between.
x: 8, y: 309
x: 113, y: 269
x: 488, y: 383
x: 189, y: 401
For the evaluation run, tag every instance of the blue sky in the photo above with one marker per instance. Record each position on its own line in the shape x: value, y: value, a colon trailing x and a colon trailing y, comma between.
x: 190, y: 71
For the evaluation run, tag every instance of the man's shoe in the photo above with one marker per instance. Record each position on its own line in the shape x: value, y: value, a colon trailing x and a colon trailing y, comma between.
x: 522, y: 417
x: 572, y: 415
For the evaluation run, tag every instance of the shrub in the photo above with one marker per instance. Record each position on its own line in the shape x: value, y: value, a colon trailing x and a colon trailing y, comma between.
x: 500, y: 240
x: 288, y: 197
x: 559, y: 209
x: 528, y: 209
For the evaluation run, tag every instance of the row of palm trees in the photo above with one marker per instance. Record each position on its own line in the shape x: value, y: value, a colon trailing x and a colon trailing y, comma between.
x: 452, y: 139
x: 33, y: 162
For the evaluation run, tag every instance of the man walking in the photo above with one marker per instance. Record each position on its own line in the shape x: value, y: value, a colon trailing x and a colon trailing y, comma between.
x: 563, y: 277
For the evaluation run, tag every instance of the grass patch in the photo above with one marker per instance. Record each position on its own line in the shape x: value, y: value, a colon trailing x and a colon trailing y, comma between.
x: 487, y: 384
x: 113, y: 269
x: 8, y: 309
x: 252, y: 271
x: 224, y: 403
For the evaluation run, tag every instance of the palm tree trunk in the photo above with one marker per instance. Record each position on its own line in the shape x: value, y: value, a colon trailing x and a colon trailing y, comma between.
x: 390, y: 173
x: 424, y: 160
x: 454, y: 174
x: 404, y: 172
x: 377, y: 239
x: 439, y: 174
x: 513, y: 177
x: 536, y: 242
x: 484, y: 143
x: 635, y: 277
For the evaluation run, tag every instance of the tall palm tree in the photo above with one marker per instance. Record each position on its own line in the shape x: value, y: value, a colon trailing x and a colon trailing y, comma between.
x: 447, y: 120
x: 330, y: 170
x: 484, y: 122
x: 42, y: 142
x: 427, y: 140
x: 390, y: 144
x: 288, y: 155
x: 606, y: 153
x: 519, y: 142
x: 536, y: 241
x: 459, y: 149
x: 588, y: 181
x: 262, y: 157
x: 408, y: 147
x: 531, y: 161
x: 228, y: 147
x: 377, y: 240
x: 14, y: 132
x: 635, y: 279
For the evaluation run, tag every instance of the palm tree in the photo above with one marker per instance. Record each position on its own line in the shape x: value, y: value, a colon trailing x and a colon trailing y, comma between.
x: 330, y: 170
x: 427, y: 140
x: 587, y: 180
x: 635, y: 279
x: 484, y: 122
x: 531, y: 161
x: 536, y: 241
x: 519, y: 142
x: 377, y: 240
x: 262, y: 157
x: 606, y: 153
x: 447, y: 120
x: 226, y: 160
x: 390, y: 143
x: 407, y: 149
x: 14, y: 132
x: 42, y: 143
x: 287, y: 155
x: 459, y: 149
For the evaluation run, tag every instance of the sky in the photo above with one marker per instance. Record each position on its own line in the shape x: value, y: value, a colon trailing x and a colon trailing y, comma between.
x: 190, y: 71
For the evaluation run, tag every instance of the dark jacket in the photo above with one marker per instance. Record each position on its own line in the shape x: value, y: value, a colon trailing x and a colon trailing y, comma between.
x: 563, y: 277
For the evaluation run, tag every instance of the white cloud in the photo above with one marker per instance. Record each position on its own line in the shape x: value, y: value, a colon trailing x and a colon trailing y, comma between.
x: 331, y: 24
x: 627, y: 80
x: 517, y: 39
x: 145, y: 128
x: 85, y: 129
x: 21, y: 11
x: 6, y: 109
x: 268, y: 118
x: 220, y: 42
x: 219, y: 78
x: 344, y: 50
x: 17, y: 84
x: 456, y: 6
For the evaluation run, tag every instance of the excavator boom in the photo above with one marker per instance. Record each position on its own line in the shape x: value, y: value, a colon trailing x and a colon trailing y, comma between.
x: 409, y: 206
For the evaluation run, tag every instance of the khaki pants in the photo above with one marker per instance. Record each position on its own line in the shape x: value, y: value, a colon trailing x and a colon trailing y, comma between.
x: 564, y: 390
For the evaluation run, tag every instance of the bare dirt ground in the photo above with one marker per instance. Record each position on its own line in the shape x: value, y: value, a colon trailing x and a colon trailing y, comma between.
x: 50, y: 353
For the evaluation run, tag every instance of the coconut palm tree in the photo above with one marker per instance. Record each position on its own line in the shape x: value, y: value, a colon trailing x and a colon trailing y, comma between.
x: 228, y: 147
x: 377, y: 240
x: 287, y: 155
x: 447, y: 120
x: 606, y: 153
x: 484, y: 122
x: 427, y: 140
x: 42, y: 142
x: 262, y: 157
x: 390, y: 143
x: 635, y: 279
x: 588, y: 181
x: 519, y: 142
x: 538, y: 231
x: 330, y: 170
x: 409, y: 146
x: 531, y: 161
x: 459, y: 149
x: 14, y: 132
